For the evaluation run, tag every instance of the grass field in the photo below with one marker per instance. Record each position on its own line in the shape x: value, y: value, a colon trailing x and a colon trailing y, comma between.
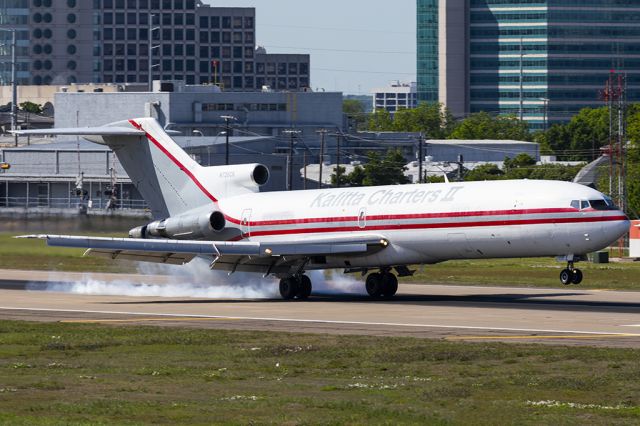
x: 92, y: 374
x: 34, y: 254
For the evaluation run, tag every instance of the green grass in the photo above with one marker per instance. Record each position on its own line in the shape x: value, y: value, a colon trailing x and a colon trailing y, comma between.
x: 540, y: 272
x: 55, y: 374
x: 34, y: 254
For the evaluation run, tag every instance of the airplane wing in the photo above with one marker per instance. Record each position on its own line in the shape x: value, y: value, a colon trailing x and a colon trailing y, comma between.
x: 265, y: 257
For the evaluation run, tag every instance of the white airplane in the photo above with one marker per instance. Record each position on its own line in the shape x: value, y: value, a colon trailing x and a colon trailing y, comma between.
x: 218, y: 213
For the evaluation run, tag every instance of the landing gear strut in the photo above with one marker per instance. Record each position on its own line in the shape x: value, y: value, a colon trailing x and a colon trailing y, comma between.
x: 570, y: 275
x: 382, y: 284
x: 298, y: 286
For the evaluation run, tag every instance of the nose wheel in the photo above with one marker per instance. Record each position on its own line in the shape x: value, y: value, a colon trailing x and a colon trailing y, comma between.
x: 571, y: 275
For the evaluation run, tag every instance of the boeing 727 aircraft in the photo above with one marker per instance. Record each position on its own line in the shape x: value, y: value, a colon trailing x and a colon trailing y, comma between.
x: 218, y: 213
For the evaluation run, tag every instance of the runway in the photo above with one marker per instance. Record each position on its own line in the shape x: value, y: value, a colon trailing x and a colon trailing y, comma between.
x: 559, y: 316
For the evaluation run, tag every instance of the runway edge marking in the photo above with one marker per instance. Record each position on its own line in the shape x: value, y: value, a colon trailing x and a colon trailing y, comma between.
x: 317, y: 321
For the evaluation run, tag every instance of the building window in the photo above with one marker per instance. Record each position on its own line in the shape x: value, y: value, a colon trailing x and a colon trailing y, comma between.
x: 71, y: 18
x: 47, y: 49
x: 72, y: 65
x: 107, y: 18
x: 37, y: 49
x: 47, y: 33
x: 71, y: 34
x: 37, y: 33
x: 47, y: 18
x: 47, y: 65
x: 178, y: 19
x: 215, y: 22
x: 37, y: 18
x: 178, y: 49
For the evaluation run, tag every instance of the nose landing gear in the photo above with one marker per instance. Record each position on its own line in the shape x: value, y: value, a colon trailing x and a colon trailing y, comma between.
x: 570, y: 275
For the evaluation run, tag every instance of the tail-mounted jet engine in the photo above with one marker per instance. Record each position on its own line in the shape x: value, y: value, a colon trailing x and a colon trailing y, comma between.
x: 184, y: 227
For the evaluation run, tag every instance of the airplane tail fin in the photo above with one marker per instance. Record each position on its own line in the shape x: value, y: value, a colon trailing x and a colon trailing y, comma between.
x: 167, y: 177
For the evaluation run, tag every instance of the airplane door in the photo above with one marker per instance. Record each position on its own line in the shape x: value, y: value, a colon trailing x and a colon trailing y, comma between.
x: 362, y: 218
x: 245, y: 222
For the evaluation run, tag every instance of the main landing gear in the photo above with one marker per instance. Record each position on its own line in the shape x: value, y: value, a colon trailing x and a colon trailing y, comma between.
x: 382, y: 284
x: 570, y: 275
x: 295, y: 287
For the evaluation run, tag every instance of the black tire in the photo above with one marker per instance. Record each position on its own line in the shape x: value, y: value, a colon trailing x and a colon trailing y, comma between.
x: 374, y: 285
x: 288, y: 288
x: 565, y: 276
x: 389, y: 285
x: 304, y: 287
x: 576, y: 276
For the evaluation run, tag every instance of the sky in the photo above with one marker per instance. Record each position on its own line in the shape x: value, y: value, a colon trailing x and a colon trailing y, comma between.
x: 355, y: 45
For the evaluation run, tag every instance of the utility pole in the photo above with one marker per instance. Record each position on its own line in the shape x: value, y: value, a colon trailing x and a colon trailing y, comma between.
x: 227, y: 119
x: 323, y: 133
x: 420, y: 158
x: 460, y: 165
x: 292, y: 133
x: 14, y: 87
x: 338, y: 137
x: 151, y: 47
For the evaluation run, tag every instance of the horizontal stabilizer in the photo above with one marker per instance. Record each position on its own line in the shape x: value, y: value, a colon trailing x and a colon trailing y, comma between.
x: 82, y: 131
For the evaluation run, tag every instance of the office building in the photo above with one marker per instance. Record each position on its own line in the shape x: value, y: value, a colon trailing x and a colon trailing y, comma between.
x: 543, y: 60
x: 395, y: 96
x: 112, y: 41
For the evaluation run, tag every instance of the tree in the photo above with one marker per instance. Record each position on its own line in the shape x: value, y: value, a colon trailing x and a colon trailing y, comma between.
x: 354, y: 110
x: 380, y: 121
x: 485, y: 172
x: 387, y: 170
x: 432, y: 119
x: 482, y: 125
x: 31, y: 107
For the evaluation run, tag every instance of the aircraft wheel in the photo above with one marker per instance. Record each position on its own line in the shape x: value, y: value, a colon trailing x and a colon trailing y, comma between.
x: 304, y: 287
x: 576, y: 276
x: 288, y: 288
x: 566, y: 276
x: 374, y: 285
x: 389, y: 285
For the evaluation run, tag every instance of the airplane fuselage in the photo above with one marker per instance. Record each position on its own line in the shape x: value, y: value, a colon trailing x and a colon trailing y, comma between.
x: 430, y: 223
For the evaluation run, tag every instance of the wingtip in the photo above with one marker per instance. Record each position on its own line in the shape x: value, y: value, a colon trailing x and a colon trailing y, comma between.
x: 32, y: 236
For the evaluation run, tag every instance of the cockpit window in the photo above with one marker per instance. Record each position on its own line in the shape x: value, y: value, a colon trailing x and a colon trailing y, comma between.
x: 584, y: 204
x: 575, y: 204
x: 602, y: 204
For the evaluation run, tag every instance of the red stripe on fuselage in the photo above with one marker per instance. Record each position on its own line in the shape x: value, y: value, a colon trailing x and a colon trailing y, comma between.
x: 445, y: 215
x: 409, y: 226
x: 175, y: 161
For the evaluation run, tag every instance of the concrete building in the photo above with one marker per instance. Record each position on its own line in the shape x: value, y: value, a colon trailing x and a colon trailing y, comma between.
x: 120, y: 41
x: 200, y: 108
x: 395, y: 96
x: 544, y: 59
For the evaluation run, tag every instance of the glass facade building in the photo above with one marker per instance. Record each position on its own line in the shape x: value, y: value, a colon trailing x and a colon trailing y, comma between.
x: 547, y: 59
x: 427, y: 50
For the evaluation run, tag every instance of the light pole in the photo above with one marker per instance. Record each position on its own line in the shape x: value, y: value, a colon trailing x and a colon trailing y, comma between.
x: 227, y: 119
x: 323, y: 133
x: 197, y: 133
x: 545, y: 111
x: 292, y: 134
x: 151, y: 47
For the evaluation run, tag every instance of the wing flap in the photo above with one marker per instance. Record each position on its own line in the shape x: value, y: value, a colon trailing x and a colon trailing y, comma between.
x: 139, y: 256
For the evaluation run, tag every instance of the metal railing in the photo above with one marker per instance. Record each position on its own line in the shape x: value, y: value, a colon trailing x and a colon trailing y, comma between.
x: 71, y: 203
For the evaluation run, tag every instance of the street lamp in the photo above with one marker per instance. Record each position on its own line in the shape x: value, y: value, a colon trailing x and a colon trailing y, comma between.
x: 197, y: 133
x: 545, y: 113
x: 227, y: 119
x: 14, y: 83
